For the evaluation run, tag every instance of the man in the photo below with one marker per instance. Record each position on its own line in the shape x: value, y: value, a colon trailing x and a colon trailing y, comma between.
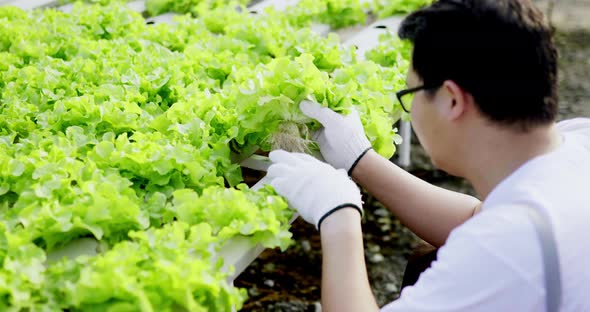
x: 483, y: 77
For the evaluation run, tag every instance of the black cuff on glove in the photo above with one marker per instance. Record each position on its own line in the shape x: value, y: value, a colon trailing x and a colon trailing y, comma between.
x: 357, y: 161
x: 336, y: 209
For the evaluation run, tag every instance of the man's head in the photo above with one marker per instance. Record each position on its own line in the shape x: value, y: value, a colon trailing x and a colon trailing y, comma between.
x: 485, y: 61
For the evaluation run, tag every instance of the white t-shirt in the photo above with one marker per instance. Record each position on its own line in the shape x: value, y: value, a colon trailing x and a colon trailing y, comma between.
x: 493, y: 261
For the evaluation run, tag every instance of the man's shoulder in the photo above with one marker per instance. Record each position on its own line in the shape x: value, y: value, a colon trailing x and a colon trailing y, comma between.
x: 496, y: 223
x: 490, y: 256
x: 503, y: 239
x: 552, y: 176
x: 578, y: 130
x: 580, y: 124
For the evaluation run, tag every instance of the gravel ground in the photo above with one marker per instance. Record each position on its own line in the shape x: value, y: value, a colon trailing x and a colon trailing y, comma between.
x: 290, y: 281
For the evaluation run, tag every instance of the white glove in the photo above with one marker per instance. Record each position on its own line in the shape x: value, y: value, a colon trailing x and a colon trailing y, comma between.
x: 342, y: 141
x: 312, y: 187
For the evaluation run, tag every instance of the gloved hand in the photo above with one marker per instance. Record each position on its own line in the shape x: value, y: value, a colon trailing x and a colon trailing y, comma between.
x: 342, y: 141
x: 312, y: 187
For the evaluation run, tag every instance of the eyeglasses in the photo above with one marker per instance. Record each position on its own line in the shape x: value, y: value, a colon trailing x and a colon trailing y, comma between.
x: 400, y: 94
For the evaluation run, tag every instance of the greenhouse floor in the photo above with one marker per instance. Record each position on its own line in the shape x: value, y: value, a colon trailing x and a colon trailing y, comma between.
x: 290, y: 281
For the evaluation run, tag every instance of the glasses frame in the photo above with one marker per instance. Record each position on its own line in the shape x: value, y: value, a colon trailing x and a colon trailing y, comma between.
x: 401, y: 93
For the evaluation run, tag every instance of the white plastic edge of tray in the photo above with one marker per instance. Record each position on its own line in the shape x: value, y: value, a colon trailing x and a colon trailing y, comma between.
x: 238, y: 252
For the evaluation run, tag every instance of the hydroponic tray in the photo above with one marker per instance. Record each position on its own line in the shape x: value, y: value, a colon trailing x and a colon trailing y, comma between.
x: 240, y: 252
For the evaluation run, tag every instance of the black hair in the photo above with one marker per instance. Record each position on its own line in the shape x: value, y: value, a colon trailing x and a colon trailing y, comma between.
x: 500, y: 51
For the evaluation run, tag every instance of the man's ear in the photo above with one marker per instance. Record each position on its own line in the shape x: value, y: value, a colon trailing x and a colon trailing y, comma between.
x: 458, y: 102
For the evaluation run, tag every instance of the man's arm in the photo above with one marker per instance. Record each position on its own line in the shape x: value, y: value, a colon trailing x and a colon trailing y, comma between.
x: 328, y: 199
x: 429, y: 211
x: 345, y: 285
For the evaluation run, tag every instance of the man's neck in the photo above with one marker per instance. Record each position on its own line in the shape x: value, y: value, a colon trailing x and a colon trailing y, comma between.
x: 495, y: 155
